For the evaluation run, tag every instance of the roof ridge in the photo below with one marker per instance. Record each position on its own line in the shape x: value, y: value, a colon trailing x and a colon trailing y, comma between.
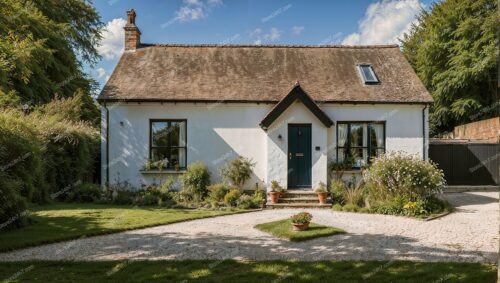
x: 269, y: 45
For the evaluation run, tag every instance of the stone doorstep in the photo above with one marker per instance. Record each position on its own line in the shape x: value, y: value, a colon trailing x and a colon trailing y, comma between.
x: 298, y: 200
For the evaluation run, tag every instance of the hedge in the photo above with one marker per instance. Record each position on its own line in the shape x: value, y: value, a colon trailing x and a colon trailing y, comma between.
x: 42, y: 156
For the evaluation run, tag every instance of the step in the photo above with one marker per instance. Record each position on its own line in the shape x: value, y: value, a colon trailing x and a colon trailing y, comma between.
x: 299, y: 200
x: 299, y: 194
x: 298, y: 205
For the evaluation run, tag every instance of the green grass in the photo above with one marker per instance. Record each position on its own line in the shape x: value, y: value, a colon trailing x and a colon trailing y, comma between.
x: 283, y: 229
x: 233, y: 271
x: 59, y: 222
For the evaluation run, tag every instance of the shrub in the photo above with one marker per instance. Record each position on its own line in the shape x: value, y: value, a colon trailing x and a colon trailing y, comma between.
x: 13, y: 205
x: 168, y: 185
x: 237, y: 171
x: 195, y: 181
x: 276, y: 187
x: 354, y: 195
x: 85, y: 192
x: 246, y: 202
x: 147, y: 198
x: 404, y: 176
x: 123, y: 197
x: 258, y: 196
x: 302, y: 218
x: 321, y: 188
x: 232, y: 197
x: 216, y: 192
x: 253, y: 201
x: 337, y: 188
x: 391, y: 206
x: 21, y: 152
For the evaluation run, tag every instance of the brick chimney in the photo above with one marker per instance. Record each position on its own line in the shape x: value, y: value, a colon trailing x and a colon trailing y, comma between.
x: 132, y: 33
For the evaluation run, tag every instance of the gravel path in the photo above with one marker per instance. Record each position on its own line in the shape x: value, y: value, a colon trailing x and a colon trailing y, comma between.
x: 470, y: 234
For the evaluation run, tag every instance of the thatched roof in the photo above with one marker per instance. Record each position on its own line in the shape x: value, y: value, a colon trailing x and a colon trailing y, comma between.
x: 238, y: 73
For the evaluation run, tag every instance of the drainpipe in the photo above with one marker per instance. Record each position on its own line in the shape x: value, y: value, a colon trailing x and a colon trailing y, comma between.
x: 423, y: 131
x: 107, y: 144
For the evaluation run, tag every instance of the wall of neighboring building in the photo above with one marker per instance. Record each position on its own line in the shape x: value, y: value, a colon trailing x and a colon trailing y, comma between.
x: 217, y: 133
x: 487, y: 130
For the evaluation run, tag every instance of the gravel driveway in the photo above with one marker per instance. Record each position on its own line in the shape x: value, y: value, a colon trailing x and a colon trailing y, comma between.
x: 470, y: 234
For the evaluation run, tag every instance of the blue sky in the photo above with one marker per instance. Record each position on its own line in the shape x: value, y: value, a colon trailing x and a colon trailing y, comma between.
x: 253, y: 22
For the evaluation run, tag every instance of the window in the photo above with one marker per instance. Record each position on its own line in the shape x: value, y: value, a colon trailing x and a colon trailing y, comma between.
x: 168, y: 141
x: 367, y: 74
x: 360, y: 141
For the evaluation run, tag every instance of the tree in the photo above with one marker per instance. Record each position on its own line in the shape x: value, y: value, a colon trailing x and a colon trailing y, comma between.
x: 454, y: 50
x: 43, y: 45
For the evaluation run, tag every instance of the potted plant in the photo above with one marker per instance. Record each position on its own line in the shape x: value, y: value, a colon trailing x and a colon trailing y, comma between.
x: 322, y: 193
x: 275, y: 192
x: 300, y: 221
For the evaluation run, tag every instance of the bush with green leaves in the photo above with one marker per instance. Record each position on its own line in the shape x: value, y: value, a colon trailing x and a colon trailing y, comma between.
x: 276, y: 187
x: 216, y: 192
x: 85, y: 192
x: 237, y: 171
x: 337, y: 188
x: 13, y: 206
x: 195, y: 181
x: 232, y: 197
x: 251, y: 201
x: 399, y: 175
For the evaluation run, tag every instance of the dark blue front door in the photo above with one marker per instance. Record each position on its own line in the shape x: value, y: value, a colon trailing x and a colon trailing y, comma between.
x: 299, y: 155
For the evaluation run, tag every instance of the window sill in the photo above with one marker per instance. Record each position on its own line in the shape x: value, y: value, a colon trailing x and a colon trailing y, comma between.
x: 162, y: 171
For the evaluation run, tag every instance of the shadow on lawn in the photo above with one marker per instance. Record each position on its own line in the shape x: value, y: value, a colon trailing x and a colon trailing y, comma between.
x: 237, y: 271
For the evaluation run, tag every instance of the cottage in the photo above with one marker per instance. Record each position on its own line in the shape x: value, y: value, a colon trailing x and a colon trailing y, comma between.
x: 292, y: 109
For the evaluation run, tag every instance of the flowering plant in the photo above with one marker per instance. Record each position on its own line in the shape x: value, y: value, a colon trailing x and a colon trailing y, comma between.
x: 399, y: 175
x: 302, y: 218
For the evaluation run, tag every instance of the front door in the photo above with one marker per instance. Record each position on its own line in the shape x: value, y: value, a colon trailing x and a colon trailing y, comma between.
x: 299, y: 156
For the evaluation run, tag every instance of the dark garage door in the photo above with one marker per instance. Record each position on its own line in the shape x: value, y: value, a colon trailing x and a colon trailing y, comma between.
x: 467, y: 163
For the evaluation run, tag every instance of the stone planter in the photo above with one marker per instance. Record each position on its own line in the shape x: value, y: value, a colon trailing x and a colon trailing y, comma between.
x: 322, y: 197
x: 300, y: 226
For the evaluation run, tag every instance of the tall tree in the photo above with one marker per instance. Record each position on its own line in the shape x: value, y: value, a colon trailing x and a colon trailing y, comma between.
x: 43, y: 44
x: 454, y: 50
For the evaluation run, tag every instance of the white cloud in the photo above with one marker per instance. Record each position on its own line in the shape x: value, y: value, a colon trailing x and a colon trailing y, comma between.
x: 100, y: 72
x: 113, y: 36
x: 385, y: 21
x: 274, y: 34
x: 259, y: 36
x: 297, y: 30
x: 194, y: 10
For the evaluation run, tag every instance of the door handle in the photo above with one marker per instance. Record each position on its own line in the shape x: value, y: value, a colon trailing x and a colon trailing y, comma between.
x: 290, y: 155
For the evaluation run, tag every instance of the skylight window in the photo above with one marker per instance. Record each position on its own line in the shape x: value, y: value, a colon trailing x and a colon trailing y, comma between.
x: 367, y: 74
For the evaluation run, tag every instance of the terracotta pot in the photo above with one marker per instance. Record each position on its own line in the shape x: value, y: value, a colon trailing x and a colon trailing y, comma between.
x: 274, y: 196
x: 300, y: 226
x: 322, y: 197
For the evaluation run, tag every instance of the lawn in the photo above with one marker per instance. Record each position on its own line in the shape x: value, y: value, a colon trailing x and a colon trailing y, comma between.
x: 283, y: 229
x: 59, y: 222
x: 233, y: 271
